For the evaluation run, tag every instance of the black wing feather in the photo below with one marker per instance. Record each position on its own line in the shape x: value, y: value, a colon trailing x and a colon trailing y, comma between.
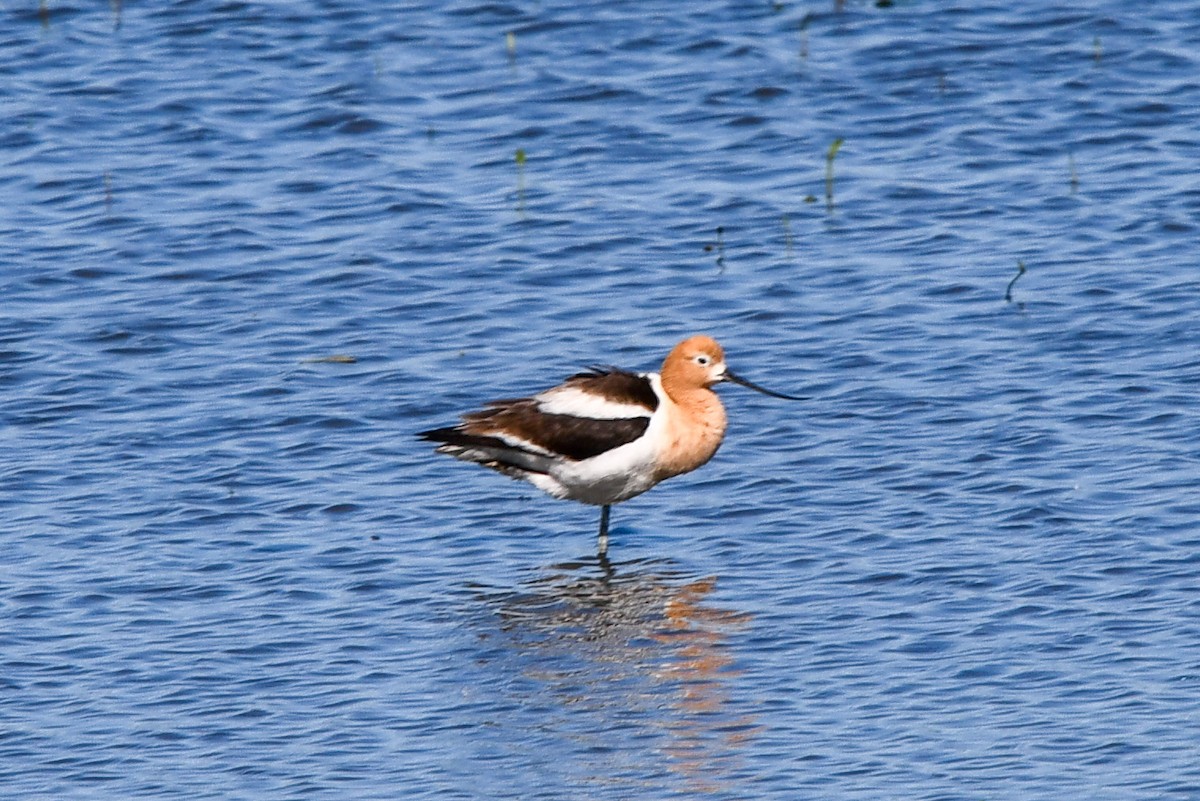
x: 566, y: 435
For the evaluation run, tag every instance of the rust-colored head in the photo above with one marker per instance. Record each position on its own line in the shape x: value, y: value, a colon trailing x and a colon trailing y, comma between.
x: 699, y: 362
x: 695, y: 363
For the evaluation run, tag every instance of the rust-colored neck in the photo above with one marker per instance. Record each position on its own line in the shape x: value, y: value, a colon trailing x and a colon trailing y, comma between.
x: 694, y: 430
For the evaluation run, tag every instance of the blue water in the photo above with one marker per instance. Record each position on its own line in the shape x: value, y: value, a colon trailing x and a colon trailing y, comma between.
x: 248, y: 250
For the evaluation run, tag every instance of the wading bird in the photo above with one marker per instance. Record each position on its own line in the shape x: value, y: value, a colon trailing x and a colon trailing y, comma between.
x: 604, y: 436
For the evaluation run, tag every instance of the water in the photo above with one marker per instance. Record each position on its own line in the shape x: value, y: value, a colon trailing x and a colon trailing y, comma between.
x: 249, y: 249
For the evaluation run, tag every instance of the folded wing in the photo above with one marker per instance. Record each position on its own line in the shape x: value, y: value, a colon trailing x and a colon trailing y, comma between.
x: 587, y: 415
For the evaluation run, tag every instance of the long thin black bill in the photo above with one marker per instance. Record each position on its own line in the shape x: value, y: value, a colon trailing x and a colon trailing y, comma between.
x: 737, y: 379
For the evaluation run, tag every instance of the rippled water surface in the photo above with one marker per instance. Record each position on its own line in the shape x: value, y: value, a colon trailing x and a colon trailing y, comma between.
x: 248, y: 249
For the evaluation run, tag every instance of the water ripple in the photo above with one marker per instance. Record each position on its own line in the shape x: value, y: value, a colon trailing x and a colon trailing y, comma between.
x: 250, y: 249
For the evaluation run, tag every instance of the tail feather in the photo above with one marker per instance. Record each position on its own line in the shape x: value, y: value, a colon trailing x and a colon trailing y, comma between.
x: 488, y: 451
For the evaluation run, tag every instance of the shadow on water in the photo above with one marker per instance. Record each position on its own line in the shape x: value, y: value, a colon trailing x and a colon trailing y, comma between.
x: 635, y: 660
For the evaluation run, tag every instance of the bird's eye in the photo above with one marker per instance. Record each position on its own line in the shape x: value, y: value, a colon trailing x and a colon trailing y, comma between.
x: 702, y: 360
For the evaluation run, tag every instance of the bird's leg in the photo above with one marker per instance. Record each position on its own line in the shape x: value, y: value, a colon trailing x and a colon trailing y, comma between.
x: 602, y: 542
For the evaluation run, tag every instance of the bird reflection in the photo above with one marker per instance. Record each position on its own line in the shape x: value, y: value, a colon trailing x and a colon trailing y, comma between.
x: 628, y: 644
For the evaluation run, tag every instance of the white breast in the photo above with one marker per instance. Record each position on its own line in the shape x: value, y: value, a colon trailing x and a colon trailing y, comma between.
x: 623, y: 472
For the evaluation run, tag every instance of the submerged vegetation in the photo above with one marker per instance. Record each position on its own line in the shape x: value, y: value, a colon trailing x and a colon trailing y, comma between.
x: 1020, y: 272
x: 718, y: 246
x: 519, y: 157
x: 335, y: 358
x: 807, y: 18
x: 829, y: 157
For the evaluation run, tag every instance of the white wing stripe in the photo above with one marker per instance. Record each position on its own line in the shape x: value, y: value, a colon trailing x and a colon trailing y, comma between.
x: 520, y: 443
x: 578, y: 403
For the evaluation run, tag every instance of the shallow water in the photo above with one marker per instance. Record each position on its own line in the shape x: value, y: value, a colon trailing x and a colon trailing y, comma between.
x: 249, y: 250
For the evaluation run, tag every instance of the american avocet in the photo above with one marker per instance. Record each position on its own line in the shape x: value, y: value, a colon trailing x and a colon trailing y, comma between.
x: 604, y: 436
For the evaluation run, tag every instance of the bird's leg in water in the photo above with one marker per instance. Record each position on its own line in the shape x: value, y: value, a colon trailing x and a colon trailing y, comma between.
x: 602, y: 542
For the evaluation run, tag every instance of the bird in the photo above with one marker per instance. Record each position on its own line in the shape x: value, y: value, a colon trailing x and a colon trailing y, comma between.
x: 605, y: 435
